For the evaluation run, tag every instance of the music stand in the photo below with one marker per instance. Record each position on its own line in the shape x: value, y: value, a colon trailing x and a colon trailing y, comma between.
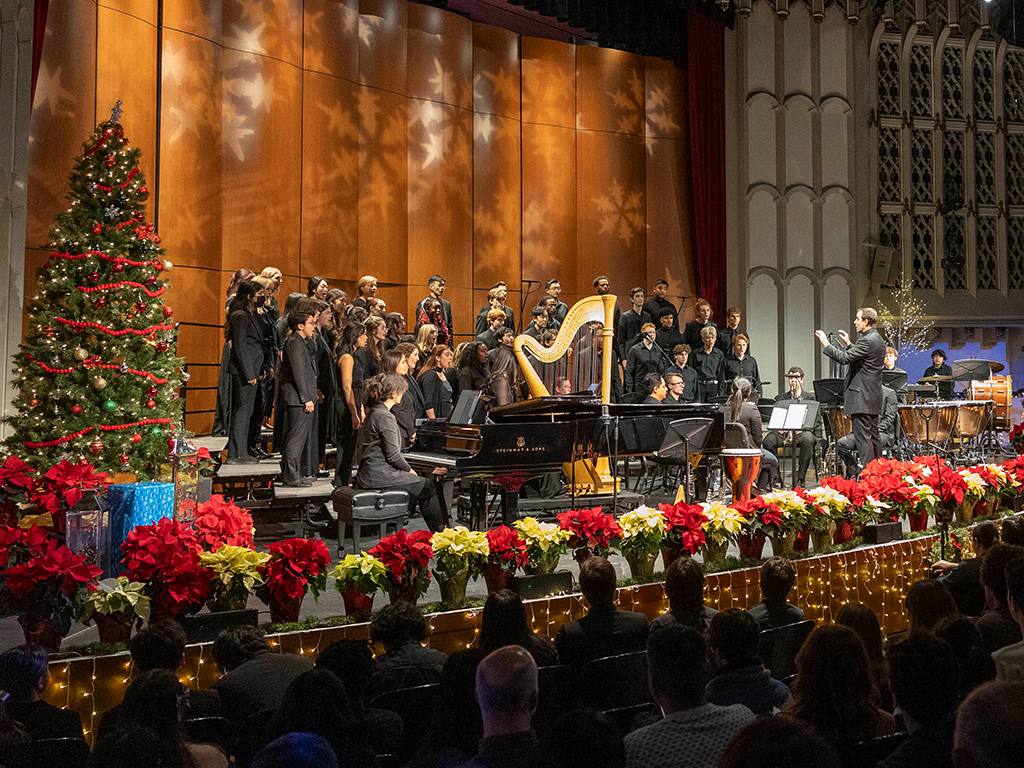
x: 894, y: 380
x: 783, y: 420
x: 971, y: 370
x: 829, y: 391
x: 686, y: 436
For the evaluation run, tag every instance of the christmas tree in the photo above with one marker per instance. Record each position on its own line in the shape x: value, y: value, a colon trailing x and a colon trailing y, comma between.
x: 97, y: 373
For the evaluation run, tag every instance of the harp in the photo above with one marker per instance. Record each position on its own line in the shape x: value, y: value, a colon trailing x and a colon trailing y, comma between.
x: 579, y: 358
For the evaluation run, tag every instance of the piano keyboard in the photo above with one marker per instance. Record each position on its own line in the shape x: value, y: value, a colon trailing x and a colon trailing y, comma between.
x: 422, y: 458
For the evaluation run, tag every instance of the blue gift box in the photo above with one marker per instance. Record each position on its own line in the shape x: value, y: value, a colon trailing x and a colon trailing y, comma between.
x: 131, y: 505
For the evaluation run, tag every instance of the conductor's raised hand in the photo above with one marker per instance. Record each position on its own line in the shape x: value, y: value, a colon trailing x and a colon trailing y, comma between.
x: 822, y: 337
x: 844, y: 336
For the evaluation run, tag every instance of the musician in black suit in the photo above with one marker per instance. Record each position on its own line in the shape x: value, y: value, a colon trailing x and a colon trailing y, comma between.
x: 939, y: 368
x: 658, y: 302
x: 298, y: 392
x: 804, y: 439
x: 863, y: 395
x: 436, y: 285
x: 631, y: 321
x: 245, y: 335
x: 692, y: 334
x: 681, y: 355
x: 654, y: 386
x: 709, y: 362
x: 643, y: 359
x: 846, y: 445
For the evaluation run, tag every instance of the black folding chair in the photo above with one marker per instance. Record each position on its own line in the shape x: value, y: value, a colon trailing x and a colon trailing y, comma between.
x: 554, y: 696
x: 46, y: 753
x: 253, y: 735
x: 867, y: 754
x: 414, y: 706
x: 613, y: 682
x: 211, y: 730
x: 780, y: 645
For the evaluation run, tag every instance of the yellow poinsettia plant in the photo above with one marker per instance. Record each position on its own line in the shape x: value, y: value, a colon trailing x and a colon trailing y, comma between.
x: 642, y: 531
x: 235, y: 570
x: 368, y: 573
x: 793, y: 508
x: 542, y: 538
x: 457, y: 549
x: 724, y: 524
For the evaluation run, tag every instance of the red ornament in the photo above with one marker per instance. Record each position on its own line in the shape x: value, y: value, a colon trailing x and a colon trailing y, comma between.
x: 143, y: 193
x: 136, y: 438
x: 94, y: 276
x: 140, y: 307
x: 100, y: 303
x: 156, y: 239
x: 158, y: 266
x: 161, y: 346
x: 152, y: 392
x: 33, y: 403
x: 151, y: 403
x: 47, y: 331
x: 110, y: 160
x: 96, y: 227
x: 117, y: 266
x: 168, y: 311
x: 150, y: 280
x: 123, y: 458
x: 96, y: 446
x: 76, y: 409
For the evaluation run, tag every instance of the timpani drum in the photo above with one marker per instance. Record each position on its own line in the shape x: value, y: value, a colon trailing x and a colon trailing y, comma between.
x: 837, y: 423
x: 928, y: 423
x: 998, y: 389
x: 973, y: 417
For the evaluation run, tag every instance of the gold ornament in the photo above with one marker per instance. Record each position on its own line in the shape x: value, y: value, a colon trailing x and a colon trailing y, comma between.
x: 81, y: 354
x: 99, y: 382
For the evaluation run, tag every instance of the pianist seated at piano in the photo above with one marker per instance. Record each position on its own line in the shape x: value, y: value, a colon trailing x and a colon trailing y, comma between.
x: 654, y: 388
x: 741, y: 410
x: 437, y: 390
x: 379, y: 451
x: 740, y: 364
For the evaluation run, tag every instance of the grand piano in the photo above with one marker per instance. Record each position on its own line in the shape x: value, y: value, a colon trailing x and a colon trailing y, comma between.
x: 533, y: 437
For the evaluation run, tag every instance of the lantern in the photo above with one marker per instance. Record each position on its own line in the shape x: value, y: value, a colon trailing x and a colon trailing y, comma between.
x: 185, y: 476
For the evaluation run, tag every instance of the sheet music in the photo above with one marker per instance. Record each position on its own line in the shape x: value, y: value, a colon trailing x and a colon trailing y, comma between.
x: 778, y: 418
x: 795, y: 416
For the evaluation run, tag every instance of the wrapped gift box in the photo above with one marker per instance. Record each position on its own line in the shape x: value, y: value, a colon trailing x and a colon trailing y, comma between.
x: 131, y: 505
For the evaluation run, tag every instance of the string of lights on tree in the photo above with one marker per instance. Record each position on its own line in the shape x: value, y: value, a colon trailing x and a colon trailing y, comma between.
x: 98, y: 375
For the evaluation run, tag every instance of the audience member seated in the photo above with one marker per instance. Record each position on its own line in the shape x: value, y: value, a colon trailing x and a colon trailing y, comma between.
x: 254, y: 677
x: 503, y: 622
x: 996, y: 625
x: 963, y: 579
x: 584, y: 738
x: 154, y: 702
x: 11, y: 732
x: 684, y: 587
x: 741, y: 677
x: 24, y: 675
x: 693, y: 732
x: 605, y: 630
x: 506, y: 689
x: 138, y: 748
x: 832, y: 692
x: 1009, y: 659
x: 317, y: 702
x: 296, y: 750
x: 864, y: 622
x: 1013, y: 531
x: 406, y: 662
x: 352, y: 662
x: 928, y: 602
x: 990, y: 727
x: 777, y: 579
x: 963, y: 637
x: 925, y: 679
x: 772, y: 742
x: 457, y: 727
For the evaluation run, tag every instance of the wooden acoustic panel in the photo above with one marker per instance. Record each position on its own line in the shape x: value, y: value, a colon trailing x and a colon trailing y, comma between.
x: 143, y: 10
x: 610, y: 90
x: 497, y: 201
x: 496, y: 73
x: 549, y: 204
x: 548, y: 82
x: 201, y: 18
x: 383, y: 50
x: 670, y: 232
x: 440, y: 46
x: 330, y: 38
x: 272, y: 29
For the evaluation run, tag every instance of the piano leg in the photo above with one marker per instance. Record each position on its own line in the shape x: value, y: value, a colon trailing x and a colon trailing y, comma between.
x: 509, y: 507
x: 444, y: 488
x: 478, y: 505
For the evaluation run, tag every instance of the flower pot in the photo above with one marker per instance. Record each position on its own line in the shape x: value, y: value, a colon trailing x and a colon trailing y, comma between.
x: 497, y: 578
x: 113, y: 630
x: 406, y: 592
x: 285, y: 610
x: 452, y: 586
x: 844, y: 532
x: 802, y: 540
x: 751, y: 545
x: 356, y: 603
x: 641, y: 566
x: 222, y: 601
x: 545, y: 563
x: 918, y: 520
x: 672, y: 552
x: 41, y: 630
x: 782, y: 543
x: 1019, y: 447
x: 714, y: 552
x: 821, y: 539
x: 965, y: 512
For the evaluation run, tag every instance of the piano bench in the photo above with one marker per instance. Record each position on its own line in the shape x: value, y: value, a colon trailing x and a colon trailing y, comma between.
x: 359, y: 508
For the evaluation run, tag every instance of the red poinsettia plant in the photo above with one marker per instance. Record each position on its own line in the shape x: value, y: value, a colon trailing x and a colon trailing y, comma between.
x: 590, y: 531
x: 42, y: 578
x: 1015, y: 467
x: 206, y: 462
x: 406, y: 556
x: 63, y: 486
x: 219, y: 522
x: 1017, y: 436
x: 507, y: 548
x: 761, y: 514
x: 16, y: 484
x: 295, y: 565
x: 684, y: 526
x: 949, y: 485
x: 165, y: 557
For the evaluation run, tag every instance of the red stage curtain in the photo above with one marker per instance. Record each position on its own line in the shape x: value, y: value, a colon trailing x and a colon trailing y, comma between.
x: 38, y: 33
x: 706, y: 74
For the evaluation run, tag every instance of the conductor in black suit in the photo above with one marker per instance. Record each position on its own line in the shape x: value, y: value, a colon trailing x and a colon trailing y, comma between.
x: 863, y: 385
x: 298, y: 390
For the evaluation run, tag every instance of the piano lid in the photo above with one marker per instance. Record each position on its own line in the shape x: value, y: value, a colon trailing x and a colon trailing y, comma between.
x: 572, y: 407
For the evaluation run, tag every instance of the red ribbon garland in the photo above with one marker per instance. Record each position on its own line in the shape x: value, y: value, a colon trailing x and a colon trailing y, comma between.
x: 131, y: 176
x: 87, y: 254
x: 123, y: 224
x: 103, y: 427
x: 94, y: 289
x: 91, y: 363
x: 103, y: 140
x: 77, y: 325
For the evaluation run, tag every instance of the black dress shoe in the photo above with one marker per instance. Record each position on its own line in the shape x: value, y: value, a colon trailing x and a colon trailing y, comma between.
x: 243, y: 460
x: 303, y: 483
x: 257, y: 453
